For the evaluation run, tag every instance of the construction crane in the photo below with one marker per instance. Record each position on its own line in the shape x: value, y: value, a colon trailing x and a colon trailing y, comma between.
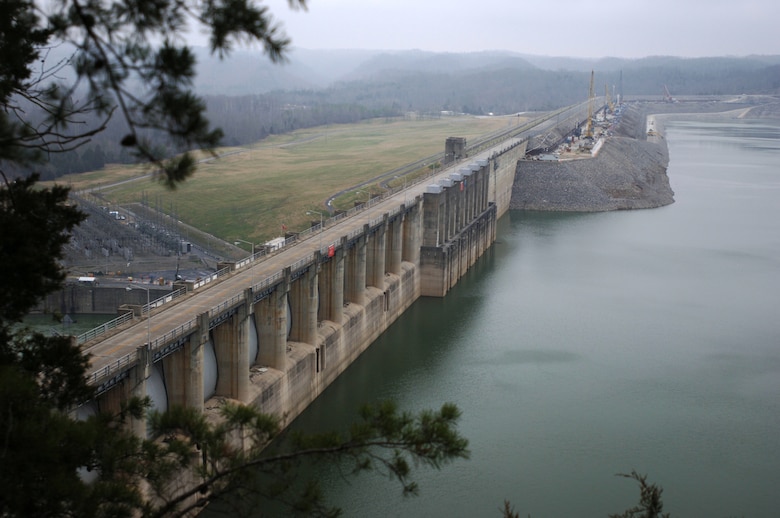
x: 610, y: 106
x: 591, y: 97
x: 668, y: 97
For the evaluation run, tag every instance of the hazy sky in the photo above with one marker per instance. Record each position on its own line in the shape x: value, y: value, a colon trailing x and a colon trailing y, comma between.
x: 578, y: 28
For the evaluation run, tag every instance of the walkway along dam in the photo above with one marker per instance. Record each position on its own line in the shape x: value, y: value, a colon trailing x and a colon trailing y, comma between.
x: 276, y: 330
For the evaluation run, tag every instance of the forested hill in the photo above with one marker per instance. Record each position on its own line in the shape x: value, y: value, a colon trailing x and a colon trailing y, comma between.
x: 250, y: 98
x: 346, y: 86
x: 249, y: 73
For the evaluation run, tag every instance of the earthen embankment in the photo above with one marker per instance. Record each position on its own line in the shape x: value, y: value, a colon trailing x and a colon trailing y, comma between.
x: 628, y: 172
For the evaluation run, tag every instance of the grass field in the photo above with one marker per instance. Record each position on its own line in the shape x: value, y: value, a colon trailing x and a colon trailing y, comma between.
x: 250, y: 192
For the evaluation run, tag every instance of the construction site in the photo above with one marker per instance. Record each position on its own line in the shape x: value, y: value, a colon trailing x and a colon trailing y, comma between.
x: 584, y: 139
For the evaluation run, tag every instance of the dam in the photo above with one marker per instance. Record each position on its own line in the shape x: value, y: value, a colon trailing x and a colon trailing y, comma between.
x: 275, y: 330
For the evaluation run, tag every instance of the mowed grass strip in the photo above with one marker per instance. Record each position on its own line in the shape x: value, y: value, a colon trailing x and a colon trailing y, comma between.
x: 251, y: 193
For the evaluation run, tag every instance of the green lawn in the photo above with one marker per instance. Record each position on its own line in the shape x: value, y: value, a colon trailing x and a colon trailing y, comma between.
x: 250, y: 194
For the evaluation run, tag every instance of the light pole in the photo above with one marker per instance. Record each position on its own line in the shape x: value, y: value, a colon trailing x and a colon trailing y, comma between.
x: 312, y: 212
x: 237, y: 241
x: 368, y: 196
x: 148, y: 310
x: 404, y: 189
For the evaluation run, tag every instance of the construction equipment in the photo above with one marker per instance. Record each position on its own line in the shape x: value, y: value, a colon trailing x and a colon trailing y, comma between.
x: 668, y: 97
x: 610, y: 106
x: 591, y: 98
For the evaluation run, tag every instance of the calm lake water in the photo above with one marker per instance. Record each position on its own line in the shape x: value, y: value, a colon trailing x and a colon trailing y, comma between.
x: 66, y: 324
x: 584, y: 345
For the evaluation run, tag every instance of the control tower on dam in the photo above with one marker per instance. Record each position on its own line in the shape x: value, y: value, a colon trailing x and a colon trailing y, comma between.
x: 275, y: 330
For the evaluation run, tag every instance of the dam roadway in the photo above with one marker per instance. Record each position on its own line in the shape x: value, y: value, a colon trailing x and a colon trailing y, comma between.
x: 113, y: 349
x: 122, y: 361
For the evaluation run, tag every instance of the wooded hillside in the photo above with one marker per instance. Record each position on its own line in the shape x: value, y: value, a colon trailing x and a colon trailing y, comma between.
x: 315, y: 88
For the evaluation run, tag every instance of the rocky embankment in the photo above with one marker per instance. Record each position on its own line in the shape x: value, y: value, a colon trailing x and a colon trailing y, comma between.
x: 629, y: 171
x: 626, y: 173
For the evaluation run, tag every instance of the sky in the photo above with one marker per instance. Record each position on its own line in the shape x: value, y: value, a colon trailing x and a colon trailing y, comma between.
x: 574, y: 28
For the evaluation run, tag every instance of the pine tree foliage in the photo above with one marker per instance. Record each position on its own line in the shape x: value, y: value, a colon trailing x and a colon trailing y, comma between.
x: 49, y: 457
x: 55, y: 458
x: 650, y: 502
x: 129, y: 58
x: 384, y: 440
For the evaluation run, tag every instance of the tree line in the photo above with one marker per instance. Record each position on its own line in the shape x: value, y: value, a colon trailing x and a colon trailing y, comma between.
x: 497, y: 89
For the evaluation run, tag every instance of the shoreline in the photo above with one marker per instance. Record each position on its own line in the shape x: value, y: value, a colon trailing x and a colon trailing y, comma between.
x: 629, y: 172
x: 658, y: 119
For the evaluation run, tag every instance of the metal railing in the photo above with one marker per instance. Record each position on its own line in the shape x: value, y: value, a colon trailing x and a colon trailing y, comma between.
x: 105, y: 372
x: 104, y: 328
x: 229, y: 303
x: 98, y: 375
x: 183, y: 329
x: 122, y: 319
x: 268, y: 281
x: 300, y: 263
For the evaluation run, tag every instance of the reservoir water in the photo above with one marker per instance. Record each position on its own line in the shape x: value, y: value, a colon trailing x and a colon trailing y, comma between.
x: 585, y: 345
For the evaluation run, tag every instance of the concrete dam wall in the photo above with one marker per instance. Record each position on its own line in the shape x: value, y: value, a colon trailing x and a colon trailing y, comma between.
x: 278, y: 343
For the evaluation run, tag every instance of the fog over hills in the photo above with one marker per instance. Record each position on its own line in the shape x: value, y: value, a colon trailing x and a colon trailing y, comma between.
x: 250, y: 98
x: 248, y: 73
